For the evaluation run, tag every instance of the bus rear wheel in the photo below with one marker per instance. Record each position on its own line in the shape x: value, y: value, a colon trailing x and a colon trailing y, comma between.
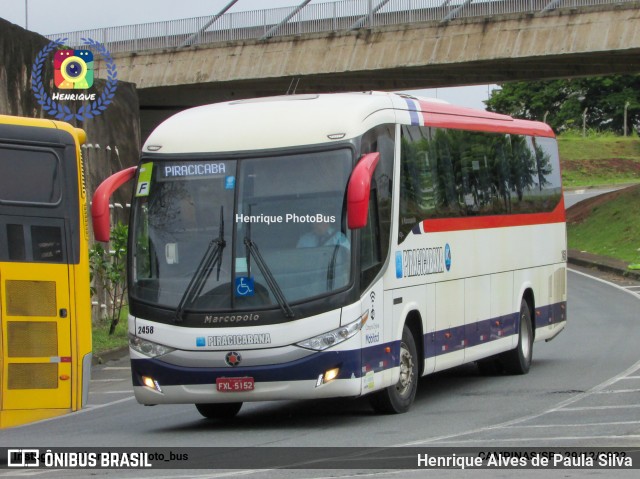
x: 518, y: 360
x: 219, y: 410
x: 398, y: 398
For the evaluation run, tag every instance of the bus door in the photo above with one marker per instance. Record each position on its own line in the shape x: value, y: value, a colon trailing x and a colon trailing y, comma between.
x: 35, y: 313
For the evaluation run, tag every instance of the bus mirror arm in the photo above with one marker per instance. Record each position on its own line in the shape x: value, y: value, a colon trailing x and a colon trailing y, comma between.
x: 100, y: 202
x: 359, y: 189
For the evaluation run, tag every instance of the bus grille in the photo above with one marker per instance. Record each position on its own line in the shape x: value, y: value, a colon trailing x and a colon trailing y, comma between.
x: 32, y: 339
x: 33, y: 376
x: 31, y: 298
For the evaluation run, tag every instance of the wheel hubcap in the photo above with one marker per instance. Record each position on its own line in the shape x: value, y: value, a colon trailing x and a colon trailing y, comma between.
x: 406, y: 370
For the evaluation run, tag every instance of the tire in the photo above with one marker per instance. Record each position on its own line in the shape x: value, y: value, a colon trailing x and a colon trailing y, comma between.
x: 397, y: 399
x: 219, y: 411
x: 518, y: 360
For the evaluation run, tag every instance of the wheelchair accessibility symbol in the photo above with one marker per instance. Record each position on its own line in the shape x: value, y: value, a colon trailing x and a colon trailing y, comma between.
x: 244, y: 286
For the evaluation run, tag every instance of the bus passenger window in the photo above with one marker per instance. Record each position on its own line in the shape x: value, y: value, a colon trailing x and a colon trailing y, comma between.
x: 46, y: 242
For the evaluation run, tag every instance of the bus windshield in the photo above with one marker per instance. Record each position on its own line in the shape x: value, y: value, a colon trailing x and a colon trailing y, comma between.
x: 254, y: 233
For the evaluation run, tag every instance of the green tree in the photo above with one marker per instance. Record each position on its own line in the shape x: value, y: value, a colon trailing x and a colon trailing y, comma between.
x: 108, y: 272
x: 564, y: 101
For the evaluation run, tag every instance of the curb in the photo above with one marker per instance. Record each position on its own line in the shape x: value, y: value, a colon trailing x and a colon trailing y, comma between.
x: 110, y: 355
x: 602, y: 263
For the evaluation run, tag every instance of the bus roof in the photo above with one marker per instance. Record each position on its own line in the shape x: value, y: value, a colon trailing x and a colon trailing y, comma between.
x: 78, y: 134
x: 296, y: 120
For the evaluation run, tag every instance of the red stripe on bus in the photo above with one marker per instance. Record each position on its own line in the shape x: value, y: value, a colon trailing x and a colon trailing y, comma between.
x: 450, y: 116
x: 521, y: 127
x: 465, y: 223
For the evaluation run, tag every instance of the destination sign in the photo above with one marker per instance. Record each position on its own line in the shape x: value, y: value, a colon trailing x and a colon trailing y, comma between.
x: 190, y: 170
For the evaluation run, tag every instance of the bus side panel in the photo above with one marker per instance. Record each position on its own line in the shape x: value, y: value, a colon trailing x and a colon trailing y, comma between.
x: 449, y: 336
x: 549, y: 316
x: 430, y: 329
x: 477, y: 318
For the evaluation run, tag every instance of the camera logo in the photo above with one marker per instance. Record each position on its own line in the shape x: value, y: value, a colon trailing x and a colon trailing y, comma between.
x: 73, y: 69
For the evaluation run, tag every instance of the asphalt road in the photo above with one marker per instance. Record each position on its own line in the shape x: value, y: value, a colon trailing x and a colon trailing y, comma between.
x: 583, y: 390
x: 575, y: 196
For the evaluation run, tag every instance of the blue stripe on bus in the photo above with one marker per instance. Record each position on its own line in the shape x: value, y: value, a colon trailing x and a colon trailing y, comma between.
x: 415, y: 120
x: 554, y: 313
x: 354, y: 363
x: 469, y: 335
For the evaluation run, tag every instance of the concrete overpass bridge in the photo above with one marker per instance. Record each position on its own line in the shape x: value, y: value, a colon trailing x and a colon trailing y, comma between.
x: 368, y: 44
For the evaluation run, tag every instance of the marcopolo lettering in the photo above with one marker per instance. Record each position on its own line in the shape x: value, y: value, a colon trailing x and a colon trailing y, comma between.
x: 422, y: 261
x: 231, y: 318
x: 193, y: 169
x: 239, y: 340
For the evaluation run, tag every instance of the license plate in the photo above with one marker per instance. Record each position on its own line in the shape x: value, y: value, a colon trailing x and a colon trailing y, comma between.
x: 234, y: 385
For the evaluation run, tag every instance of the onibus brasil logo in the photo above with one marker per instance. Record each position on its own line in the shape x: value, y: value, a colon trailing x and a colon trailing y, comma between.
x: 73, y: 71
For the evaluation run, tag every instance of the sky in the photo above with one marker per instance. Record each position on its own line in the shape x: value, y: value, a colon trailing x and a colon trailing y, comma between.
x: 62, y: 16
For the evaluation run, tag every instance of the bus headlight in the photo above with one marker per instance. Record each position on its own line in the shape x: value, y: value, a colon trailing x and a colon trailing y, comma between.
x: 337, y: 336
x: 148, y: 348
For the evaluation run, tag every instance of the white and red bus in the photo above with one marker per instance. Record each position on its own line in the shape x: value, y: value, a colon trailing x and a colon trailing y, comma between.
x: 316, y: 246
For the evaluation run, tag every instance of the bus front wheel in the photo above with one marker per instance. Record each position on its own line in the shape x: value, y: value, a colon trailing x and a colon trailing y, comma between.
x: 219, y: 411
x: 398, y: 398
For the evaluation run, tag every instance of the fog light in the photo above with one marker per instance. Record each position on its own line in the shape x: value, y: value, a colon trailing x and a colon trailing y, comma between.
x: 331, y: 374
x: 151, y: 383
x: 328, y: 376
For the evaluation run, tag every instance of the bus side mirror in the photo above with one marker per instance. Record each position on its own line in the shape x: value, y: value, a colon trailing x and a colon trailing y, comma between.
x: 100, y: 202
x: 358, y: 191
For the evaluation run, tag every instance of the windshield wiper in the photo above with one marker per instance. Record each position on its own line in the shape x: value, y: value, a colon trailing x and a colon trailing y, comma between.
x: 211, y: 258
x: 252, y: 248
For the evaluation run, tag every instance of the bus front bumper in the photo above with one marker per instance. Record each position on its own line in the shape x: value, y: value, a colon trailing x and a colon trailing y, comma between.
x: 159, y: 382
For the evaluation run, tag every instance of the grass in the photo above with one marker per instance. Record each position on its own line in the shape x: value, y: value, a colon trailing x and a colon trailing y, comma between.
x: 599, y: 159
x: 102, y: 341
x: 612, y: 229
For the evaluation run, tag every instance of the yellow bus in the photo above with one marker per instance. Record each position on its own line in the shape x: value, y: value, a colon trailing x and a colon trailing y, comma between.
x: 45, y: 307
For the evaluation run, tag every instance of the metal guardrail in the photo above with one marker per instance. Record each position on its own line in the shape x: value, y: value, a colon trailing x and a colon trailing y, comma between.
x: 313, y: 18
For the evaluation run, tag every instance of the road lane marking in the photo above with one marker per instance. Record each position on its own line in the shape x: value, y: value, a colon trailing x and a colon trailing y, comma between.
x: 76, y: 413
x: 116, y: 368
x: 532, y: 439
x: 617, y: 391
x: 621, y: 288
x: 596, y: 408
x: 28, y: 472
x: 112, y: 392
x: 590, y: 424
x: 561, y: 406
